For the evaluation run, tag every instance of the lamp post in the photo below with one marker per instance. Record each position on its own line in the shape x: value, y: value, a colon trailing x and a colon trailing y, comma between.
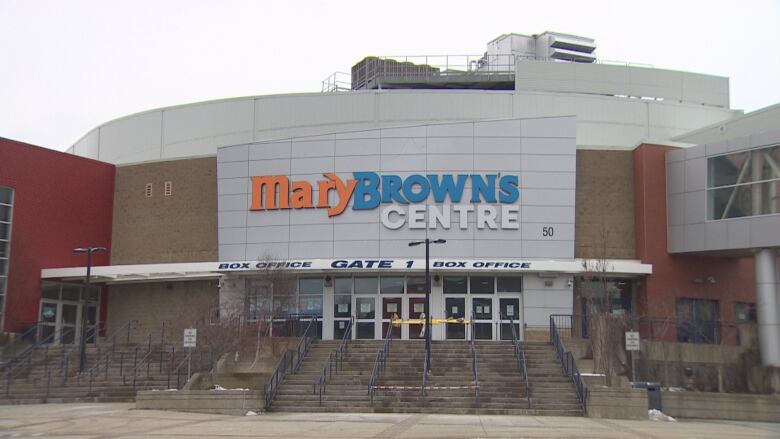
x: 427, y: 243
x: 85, y: 302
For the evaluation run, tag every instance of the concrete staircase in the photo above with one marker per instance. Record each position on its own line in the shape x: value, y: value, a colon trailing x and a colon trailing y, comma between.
x: 52, y: 376
x: 450, y: 384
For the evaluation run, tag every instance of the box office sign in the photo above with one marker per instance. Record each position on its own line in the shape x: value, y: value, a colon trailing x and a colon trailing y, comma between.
x: 382, y: 264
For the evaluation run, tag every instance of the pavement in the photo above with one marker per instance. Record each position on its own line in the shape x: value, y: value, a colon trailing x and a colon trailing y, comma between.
x: 123, y: 421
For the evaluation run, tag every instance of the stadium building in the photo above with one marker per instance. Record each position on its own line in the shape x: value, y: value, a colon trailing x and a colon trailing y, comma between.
x: 536, y: 162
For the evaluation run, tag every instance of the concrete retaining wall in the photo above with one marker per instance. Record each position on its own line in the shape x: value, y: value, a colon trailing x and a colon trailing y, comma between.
x: 709, y: 405
x: 616, y: 402
x: 224, y: 402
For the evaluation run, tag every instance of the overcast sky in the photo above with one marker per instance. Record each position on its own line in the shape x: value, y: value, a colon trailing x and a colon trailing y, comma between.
x: 68, y: 66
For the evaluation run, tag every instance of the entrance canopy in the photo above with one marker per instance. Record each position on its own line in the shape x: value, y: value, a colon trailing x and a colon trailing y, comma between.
x: 114, y: 274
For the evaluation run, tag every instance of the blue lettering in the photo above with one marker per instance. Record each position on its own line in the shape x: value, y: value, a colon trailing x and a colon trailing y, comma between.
x: 422, y: 182
x: 366, y: 191
x: 447, y: 186
x: 338, y: 264
x: 509, y: 192
x: 391, y: 189
x: 483, y: 190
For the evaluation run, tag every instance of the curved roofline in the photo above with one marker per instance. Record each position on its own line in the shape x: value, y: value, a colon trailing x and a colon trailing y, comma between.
x: 254, y: 97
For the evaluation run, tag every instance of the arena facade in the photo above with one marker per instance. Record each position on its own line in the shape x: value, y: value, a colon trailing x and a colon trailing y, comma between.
x: 535, y: 165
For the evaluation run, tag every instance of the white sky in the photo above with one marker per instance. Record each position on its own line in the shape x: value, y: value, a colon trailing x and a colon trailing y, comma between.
x: 68, y: 66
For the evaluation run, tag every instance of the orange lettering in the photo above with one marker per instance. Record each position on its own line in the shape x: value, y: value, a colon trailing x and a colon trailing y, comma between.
x: 301, y: 195
x: 325, y: 186
x: 344, y: 193
x: 272, y: 184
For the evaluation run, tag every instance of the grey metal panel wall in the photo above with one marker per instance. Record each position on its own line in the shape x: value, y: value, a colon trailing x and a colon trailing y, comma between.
x: 622, y: 80
x: 688, y: 229
x: 542, y: 149
x: 199, y: 129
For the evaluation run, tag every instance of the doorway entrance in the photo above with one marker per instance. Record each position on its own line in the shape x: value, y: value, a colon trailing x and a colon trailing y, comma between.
x: 60, y: 314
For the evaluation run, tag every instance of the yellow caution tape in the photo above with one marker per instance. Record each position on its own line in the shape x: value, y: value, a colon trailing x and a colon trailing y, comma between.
x: 398, y: 322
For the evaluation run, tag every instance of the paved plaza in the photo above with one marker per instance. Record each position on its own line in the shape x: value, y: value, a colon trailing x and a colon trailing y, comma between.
x: 122, y: 421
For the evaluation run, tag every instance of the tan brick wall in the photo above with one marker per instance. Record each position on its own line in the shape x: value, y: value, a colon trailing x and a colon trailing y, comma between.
x: 605, y: 205
x: 181, y: 304
x: 159, y: 229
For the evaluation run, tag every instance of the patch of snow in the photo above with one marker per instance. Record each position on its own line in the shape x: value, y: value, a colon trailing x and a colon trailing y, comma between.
x: 218, y: 387
x: 250, y: 413
x: 171, y: 390
x: 675, y: 389
x: 588, y: 374
x: 657, y: 415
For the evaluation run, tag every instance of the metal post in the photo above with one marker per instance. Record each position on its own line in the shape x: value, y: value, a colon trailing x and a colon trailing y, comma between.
x: 427, y: 306
x: 768, y: 306
x: 85, y: 296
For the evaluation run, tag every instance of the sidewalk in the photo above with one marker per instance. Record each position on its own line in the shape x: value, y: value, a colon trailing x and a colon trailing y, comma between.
x: 122, y: 421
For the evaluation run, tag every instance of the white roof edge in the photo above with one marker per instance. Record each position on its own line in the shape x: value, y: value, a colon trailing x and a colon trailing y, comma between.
x: 663, y: 143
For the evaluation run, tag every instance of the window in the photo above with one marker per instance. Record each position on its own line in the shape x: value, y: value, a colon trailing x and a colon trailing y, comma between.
x: 481, y: 285
x: 342, y: 290
x: 415, y: 285
x: 697, y: 321
x: 148, y: 190
x: 509, y: 284
x: 391, y: 285
x: 168, y: 188
x: 745, y: 183
x: 6, y: 214
x: 366, y: 285
x: 744, y: 312
x: 454, y: 285
x: 310, y: 295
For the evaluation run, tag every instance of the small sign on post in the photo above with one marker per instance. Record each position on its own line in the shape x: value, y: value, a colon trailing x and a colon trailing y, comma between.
x: 632, y: 341
x: 190, y: 337
x: 190, y: 342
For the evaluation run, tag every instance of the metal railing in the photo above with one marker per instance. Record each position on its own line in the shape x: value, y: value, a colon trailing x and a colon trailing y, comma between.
x: 290, y: 362
x: 474, y: 369
x: 23, y: 361
x: 186, y: 369
x: 371, y: 68
x: 380, y: 362
x: 425, y: 370
x: 337, y: 81
x: 335, y: 360
x: 568, y: 364
x: 522, y: 362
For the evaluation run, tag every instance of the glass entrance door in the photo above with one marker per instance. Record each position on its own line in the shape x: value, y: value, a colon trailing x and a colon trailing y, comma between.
x: 482, y: 318
x: 509, y: 309
x: 391, y: 309
x: 49, y: 316
x: 455, y: 308
x: 416, y: 310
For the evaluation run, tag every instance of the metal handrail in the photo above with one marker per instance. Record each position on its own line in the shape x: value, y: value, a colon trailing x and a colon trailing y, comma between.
x: 147, y: 357
x: 335, y: 357
x: 474, y: 369
x: 425, y: 370
x: 568, y: 364
x: 289, y: 363
x: 380, y: 363
x: 25, y: 358
x: 186, y: 361
x: 522, y: 363
x: 20, y: 340
x: 327, y: 372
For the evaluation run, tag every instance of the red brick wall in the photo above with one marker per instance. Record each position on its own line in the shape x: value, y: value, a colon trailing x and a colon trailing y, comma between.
x: 676, y: 276
x: 61, y: 202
